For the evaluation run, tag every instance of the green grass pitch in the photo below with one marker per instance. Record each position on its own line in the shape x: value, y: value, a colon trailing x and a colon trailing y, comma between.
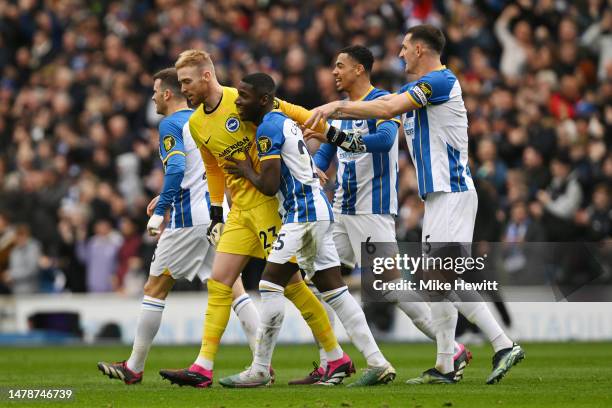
x: 552, y: 375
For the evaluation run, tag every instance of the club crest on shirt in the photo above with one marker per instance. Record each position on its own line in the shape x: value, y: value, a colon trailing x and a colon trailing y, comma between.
x: 358, y: 124
x: 264, y: 144
x: 169, y: 143
x: 232, y: 124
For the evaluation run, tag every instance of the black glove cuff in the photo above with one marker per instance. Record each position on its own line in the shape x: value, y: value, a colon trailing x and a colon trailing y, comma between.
x: 335, y: 136
x: 216, y: 213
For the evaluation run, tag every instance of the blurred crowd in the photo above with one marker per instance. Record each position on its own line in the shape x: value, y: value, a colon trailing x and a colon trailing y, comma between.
x: 78, y: 137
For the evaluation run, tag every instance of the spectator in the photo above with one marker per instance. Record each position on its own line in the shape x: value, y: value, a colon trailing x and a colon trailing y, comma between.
x: 23, y: 262
x: 537, y: 174
x: 129, y: 251
x: 79, y: 130
x: 561, y: 199
x: 491, y: 168
x: 516, y: 44
x: 99, y: 254
x: 595, y: 221
x: 7, y: 242
x: 521, y: 227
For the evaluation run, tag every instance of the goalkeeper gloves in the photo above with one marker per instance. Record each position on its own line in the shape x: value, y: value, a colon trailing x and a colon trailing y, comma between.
x: 351, y: 141
x: 154, y: 224
x: 215, y: 229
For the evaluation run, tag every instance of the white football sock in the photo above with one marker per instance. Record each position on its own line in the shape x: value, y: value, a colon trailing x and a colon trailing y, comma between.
x: 249, y: 318
x: 271, y: 320
x: 414, y: 307
x: 420, y: 314
x: 354, y: 321
x: 479, y: 314
x: 148, y: 324
x: 444, y: 321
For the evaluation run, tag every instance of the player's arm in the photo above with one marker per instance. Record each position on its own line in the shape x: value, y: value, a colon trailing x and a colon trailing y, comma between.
x: 352, y: 141
x: 216, y: 187
x: 269, y: 139
x: 214, y: 176
x: 381, y: 108
x: 300, y: 115
x: 324, y: 156
x: 172, y: 151
x: 382, y: 140
x: 267, y: 180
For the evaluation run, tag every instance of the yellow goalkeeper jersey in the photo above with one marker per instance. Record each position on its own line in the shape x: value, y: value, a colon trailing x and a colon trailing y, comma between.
x: 220, y: 134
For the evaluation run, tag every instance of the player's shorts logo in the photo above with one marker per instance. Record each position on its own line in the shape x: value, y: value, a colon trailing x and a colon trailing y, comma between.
x: 232, y: 124
x: 264, y: 144
x: 358, y: 124
x: 169, y: 143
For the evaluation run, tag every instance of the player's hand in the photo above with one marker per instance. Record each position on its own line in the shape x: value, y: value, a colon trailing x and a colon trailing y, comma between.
x: 152, y: 205
x: 215, y: 229
x: 322, y: 176
x: 322, y: 113
x: 154, y: 224
x: 240, y: 168
x: 311, y: 134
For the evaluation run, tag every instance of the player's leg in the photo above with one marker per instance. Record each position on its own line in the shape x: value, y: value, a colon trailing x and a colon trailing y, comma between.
x: 241, y: 301
x: 347, y: 260
x: 436, y: 229
x: 281, y: 278
x: 237, y: 244
x: 226, y: 269
x: 381, y: 228
x: 246, y: 311
x: 271, y: 288
x: 472, y: 306
x: 155, y: 292
x: 179, y: 254
x: 329, y: 281
x: 267, y: 222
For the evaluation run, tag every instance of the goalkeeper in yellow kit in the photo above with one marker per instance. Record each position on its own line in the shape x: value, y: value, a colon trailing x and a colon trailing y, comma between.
x: 253, y: 221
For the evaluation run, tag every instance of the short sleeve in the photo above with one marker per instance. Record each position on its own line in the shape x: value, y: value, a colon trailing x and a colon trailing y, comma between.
x: 170, y: 139
x: 433, y: 88
x: 270, y: 140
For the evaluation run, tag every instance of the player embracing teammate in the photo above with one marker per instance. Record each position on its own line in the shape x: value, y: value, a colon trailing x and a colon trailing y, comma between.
x: 439, y: 149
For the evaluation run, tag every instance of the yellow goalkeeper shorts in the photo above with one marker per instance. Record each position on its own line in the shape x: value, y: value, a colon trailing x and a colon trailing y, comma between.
x: 251, y: 232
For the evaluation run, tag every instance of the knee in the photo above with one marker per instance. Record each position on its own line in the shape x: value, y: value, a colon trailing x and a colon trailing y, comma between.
x: 157, y: 288
x: 328, y: 279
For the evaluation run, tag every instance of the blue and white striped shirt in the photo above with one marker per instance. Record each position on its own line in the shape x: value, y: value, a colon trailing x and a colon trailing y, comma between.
x: 366, y: 183
x: 185, y: 189
x: 300, y: 194
x: 436, y: 133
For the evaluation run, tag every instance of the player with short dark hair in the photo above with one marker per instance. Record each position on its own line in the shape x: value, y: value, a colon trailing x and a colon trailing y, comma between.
x: 287, y: 169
